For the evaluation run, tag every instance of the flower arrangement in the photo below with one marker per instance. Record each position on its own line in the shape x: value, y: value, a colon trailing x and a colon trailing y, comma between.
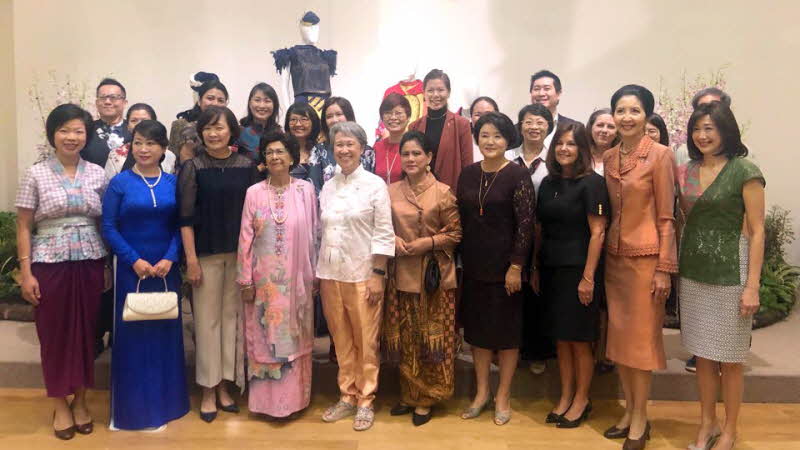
x: 676, y: 108
x: 46, y: 94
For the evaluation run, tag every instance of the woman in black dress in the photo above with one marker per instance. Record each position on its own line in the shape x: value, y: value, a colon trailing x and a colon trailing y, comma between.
x: 496, y: 202
x: 571, y: 215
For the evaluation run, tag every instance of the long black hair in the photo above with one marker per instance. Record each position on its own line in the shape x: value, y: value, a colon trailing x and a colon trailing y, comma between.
x: 269, y: 91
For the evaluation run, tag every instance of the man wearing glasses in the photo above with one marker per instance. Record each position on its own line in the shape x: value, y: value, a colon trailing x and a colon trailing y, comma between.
x: 111, y: 130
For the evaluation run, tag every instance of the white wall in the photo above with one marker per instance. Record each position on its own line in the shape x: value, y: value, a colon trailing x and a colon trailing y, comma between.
x: 595, y: 46
x: 8, y: 121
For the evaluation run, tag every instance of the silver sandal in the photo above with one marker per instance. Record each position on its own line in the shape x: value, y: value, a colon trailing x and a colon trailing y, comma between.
x: 338, y: 411
x: 471, y: 413
x: 502, y: 417
x: 365, y: 415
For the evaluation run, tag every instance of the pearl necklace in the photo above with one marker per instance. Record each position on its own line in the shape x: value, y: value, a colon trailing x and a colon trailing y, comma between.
x: 275, y: 217
x: 151, y: 186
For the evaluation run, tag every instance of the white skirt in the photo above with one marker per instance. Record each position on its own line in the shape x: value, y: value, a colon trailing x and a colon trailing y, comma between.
x: 711, y: 326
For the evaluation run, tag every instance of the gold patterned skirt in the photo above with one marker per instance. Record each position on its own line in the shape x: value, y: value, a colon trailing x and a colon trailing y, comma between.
x: 419, y: 336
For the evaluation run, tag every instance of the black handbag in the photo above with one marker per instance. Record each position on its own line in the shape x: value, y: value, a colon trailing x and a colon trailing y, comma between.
x: 433, y: 275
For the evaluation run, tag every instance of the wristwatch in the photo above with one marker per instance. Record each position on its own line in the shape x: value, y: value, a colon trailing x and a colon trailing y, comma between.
x: 380, y: 272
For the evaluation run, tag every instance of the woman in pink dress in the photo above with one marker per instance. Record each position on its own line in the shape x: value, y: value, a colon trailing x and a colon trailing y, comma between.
x: 277, y: 256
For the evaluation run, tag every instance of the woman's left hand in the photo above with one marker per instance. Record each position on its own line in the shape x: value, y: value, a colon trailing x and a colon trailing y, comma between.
x: 375, y: 287
x: 162, y: 268
x: 585, y: 292
x: 418, y: 246
x: 660, y: 286
x: 513, y: 280
x: 750, y: 302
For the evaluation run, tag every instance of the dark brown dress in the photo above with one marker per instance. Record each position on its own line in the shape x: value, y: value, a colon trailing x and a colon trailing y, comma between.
x: 492, y: 241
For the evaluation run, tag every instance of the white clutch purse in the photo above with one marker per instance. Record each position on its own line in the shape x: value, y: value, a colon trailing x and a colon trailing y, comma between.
x: 150, y: 305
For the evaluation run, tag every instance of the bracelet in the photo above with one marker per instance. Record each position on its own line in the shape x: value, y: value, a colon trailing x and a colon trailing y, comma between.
x: 380, y: 272
x: 587, y: 280
x: 515, y: 267
x: 23, y: 258
x: 245, y: 288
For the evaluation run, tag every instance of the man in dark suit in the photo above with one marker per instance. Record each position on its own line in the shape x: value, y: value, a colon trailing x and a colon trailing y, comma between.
x: 546, y: 90
x: 111, y: 129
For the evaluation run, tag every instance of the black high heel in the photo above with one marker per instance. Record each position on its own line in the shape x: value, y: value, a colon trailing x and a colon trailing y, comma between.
x: 421, y: 419
x: 638, y: 444
x: 232, y: 408
x: 401, y: 410
x: 556, y: 418
x: 65, y: 434
x: 566, y: 423
x: 616, y: 433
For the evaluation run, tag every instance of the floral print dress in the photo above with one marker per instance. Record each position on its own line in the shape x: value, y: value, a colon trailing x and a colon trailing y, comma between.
x: 277, y: 255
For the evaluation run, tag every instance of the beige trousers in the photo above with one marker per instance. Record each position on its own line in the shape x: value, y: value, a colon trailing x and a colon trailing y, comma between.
x: 354, y: 325
x: 216, y: 312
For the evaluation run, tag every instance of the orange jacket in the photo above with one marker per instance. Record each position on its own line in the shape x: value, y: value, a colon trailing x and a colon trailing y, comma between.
x: 642, y: 197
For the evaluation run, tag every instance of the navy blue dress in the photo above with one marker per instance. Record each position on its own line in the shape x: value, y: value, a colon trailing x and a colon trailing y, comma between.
x: 148, y: 383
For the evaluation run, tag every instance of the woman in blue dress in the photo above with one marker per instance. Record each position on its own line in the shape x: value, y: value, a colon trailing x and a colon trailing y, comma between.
x: 140, y: 222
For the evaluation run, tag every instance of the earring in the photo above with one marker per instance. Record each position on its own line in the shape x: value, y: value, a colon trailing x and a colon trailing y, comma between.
x: 428, y: 168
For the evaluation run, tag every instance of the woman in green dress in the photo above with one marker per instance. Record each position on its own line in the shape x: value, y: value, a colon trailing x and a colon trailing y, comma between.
x: 722, y: 251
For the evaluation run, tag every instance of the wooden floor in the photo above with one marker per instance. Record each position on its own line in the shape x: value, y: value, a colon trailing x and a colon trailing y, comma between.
x: 25, y: 417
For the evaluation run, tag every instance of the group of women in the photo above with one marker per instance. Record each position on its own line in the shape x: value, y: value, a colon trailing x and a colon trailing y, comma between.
x: 398, y: 242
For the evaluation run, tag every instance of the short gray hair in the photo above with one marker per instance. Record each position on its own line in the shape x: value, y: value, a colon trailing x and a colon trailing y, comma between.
x: 716, y: 92
x: 351, y: 129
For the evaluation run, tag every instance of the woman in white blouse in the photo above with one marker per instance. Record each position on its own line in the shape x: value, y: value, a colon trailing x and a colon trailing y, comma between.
x: 357, y: 240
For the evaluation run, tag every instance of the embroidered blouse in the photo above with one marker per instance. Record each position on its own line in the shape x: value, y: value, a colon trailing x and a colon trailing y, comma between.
x: 714, y: 219
x: 642, y: 196
x: 356, y: 218
x: 65, y: 211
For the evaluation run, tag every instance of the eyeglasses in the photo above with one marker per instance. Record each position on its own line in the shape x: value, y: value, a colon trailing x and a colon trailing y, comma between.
x: 278, y: 152
x: 299, y: 120
x: 111, y: 97
x: 393, y: 114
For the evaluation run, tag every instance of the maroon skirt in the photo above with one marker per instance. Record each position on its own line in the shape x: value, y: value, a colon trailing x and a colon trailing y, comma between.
x: 66, y: 319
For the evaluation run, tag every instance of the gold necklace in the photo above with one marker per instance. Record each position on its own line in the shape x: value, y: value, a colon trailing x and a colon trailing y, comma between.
x: 482, y: 198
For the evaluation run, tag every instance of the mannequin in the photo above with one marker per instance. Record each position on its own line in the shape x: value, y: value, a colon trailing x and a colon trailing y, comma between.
x: 305, y: 70
x: 411, y: 88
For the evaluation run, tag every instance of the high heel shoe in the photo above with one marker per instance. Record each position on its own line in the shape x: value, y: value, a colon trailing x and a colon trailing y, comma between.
x: 566, y: 423
x: 421, y: 419
x: 616, y: 433
x: 638, y: 444
x: 65, y: 434
x: 502, y: 417
x: 82, y: 428
x: 232, y: 408
x: 556, y: 418
x: 710, y: 440
x: 471, y: 413
x: 401, y: 410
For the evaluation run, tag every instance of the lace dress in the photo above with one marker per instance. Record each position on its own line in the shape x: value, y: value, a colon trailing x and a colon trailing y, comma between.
x: 714, y: 262
x: 492, y: 241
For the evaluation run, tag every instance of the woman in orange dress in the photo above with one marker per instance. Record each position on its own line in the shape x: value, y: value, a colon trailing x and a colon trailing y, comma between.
x: 640, y: 256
